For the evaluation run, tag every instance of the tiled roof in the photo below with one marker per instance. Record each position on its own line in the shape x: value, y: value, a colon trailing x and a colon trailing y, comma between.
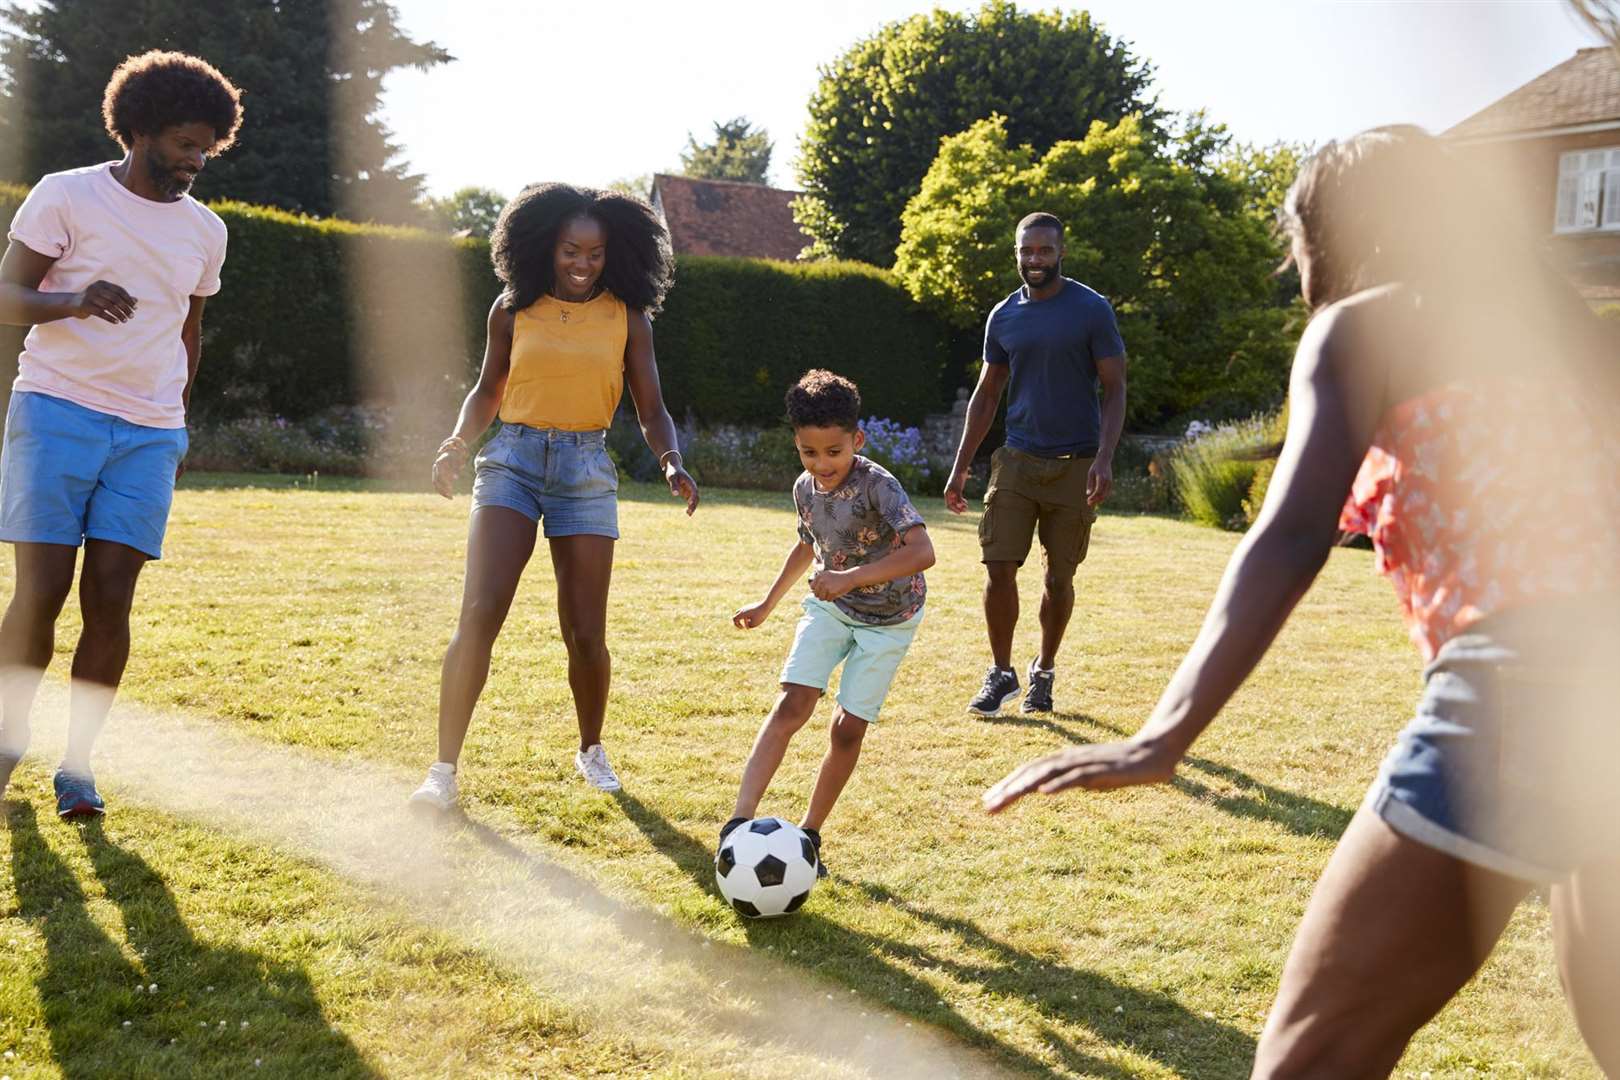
x: 724, y: 217
x: 1584, y: 89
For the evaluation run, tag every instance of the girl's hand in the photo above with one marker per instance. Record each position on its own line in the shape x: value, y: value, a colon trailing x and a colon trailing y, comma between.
x: 681, y: 485
x: 746, y: 618
x: 1098, y: 767
x: 447, y: 466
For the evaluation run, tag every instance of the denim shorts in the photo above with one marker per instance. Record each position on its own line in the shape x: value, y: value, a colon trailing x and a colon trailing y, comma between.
x: 70, y: 474
x: 826, y: 636
x: 1510, y: 761
x: 562, y: 479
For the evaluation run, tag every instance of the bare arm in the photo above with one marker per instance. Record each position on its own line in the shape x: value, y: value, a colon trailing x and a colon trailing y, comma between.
x: 22, y: 304
x: 483, y: 402
x: 1333, y: 409
x: 657, y: 427
x: 793, y: 567
x: 1100, y: 481
x: 191, y: 337
x: 914, y: 555
x: 981, y: 413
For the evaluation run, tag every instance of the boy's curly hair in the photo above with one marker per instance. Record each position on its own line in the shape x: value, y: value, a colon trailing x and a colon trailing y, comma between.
x: 640, y: 266
x: 157, y: 90
x: 822, y: 399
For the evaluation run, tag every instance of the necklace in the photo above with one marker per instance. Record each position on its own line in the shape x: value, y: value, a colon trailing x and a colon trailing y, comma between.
x: 566, y: 312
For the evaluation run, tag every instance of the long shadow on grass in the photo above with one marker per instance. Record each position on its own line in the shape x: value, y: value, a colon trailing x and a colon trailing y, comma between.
x: 88, y: 985
x: 1299, y: 814
x: 864, y: 961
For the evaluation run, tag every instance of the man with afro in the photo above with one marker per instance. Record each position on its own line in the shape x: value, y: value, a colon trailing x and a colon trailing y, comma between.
x: 109, y: 265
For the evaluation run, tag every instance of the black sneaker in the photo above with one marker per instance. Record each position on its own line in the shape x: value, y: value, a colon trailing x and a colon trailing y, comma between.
x: 815, y: 842
x: 1000, y: 686
x: 1039, y: 698
x: 726, y: 829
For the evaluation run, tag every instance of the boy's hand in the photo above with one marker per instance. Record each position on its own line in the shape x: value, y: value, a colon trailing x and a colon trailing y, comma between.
x: 746, y: 618
x: 830, y: 584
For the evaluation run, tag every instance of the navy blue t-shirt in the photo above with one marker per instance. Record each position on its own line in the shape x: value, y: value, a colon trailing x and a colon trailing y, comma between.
x: 1053, y: 347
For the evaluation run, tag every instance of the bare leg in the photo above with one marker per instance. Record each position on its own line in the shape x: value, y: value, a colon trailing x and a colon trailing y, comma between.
x: 1393, y: 930
x: 28, y: 634
x: 793, y: 707
x: 1001, y: 609
x: 499, y: 543
x: 843, y: 751
x: 1586, y: 925
x: 584, y: 568
x: 1057, y: 604
x: 106, y: 593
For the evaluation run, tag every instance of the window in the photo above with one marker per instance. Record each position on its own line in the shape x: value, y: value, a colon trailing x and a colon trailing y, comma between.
x: 1588, y: 190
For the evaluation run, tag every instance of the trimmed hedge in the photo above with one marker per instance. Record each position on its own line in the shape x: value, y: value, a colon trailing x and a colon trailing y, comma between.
x: 284, y: 336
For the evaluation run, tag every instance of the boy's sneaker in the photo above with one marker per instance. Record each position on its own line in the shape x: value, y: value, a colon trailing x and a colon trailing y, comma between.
x: 592, y: 764
x: 438, y: 791
x: 815, y: 842
x: 1000, y: 686
x: 1039, y: 698
x: 8, y: 762
x: 76, y: 795
x: 730, y: 827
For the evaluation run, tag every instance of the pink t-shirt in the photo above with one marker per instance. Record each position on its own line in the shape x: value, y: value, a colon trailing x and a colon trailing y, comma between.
x: 161, y: 253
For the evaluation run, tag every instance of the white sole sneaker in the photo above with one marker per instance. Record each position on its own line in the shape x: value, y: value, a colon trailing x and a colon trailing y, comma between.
x: 435, y: 798
x: 1010, y: 696
x: 596, y: 770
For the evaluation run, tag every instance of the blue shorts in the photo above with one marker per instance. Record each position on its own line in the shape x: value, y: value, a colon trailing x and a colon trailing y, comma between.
x: 826, y: 636
x: 1509, y: 763
x: 70, y: 474
x: 562, y: 479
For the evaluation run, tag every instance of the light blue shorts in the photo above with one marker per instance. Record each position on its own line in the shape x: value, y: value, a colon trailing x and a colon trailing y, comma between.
x: 562, y: 479
x: 1509, y: 762
x: 70, y: 474
x: 826, y: 636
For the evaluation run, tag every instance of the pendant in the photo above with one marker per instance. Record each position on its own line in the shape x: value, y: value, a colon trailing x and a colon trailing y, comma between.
x: 564, y: 314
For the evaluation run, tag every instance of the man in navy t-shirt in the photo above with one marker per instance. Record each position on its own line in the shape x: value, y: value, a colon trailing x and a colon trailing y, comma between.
x: 1050, y: 344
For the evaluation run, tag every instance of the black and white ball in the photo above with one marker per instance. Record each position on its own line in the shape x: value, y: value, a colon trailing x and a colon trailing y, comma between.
x: 766, y: 867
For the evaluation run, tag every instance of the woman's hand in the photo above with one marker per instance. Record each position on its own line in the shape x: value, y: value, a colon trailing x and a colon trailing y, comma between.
x: 447, y: 466
x: 681, y: 484
x: 1098, y: 767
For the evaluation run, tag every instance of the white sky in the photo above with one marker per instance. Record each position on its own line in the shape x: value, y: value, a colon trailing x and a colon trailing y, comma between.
x: 592, y: 90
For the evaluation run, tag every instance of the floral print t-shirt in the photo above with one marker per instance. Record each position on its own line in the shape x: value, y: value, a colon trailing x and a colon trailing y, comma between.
x: 858, y: 523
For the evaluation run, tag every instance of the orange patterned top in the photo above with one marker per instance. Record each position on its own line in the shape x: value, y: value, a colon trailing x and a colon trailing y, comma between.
x: 1484, y: 496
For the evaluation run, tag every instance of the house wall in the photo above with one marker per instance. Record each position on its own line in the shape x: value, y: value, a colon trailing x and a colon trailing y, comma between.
x: 1530, y: 168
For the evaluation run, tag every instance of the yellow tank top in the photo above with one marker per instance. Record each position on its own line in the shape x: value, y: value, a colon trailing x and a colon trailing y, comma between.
x: 567, y: 369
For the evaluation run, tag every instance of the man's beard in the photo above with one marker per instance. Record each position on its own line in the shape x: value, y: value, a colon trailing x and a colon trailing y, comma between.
x: 1050, y: 276
x: 166, y: 178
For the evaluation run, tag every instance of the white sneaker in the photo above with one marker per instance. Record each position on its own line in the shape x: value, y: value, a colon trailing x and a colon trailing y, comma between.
x: 592, y: 764
x: 438, y: 791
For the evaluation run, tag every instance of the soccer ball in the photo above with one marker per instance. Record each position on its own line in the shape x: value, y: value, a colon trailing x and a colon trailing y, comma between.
x: 765, y: 868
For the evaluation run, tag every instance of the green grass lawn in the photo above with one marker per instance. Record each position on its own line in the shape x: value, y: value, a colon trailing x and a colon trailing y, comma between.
x: 1135, y: 934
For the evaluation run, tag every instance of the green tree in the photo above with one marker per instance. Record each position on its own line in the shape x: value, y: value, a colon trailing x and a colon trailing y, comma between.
x: 472, y: 210
x: 639, y: 187
x: 738, y: 152
x: 312, y: 72
x: 1187, y: 266
x: 880, y: 110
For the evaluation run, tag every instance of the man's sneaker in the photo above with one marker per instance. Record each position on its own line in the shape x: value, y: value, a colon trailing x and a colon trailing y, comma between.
x: 76, y: 795
x: 815, y: 842
x: 1000, y: 686
x: 8, y: 762
x: 1039, y: 698
x: 438, y: 791
x: 592, y: 764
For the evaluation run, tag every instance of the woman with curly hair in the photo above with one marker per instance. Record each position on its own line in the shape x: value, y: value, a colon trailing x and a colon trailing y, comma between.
x: 584, y: 270
x: 1458, y: 402
x: 110, y: 265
